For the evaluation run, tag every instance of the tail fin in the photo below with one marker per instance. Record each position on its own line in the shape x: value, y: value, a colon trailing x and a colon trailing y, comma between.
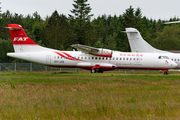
x: 138, y: 44
x: 21, y: 42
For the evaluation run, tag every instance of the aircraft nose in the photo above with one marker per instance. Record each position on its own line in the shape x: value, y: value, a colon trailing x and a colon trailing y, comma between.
x: 172, y: 64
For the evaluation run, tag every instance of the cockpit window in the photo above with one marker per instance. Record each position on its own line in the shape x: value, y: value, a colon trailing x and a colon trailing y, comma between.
x: 163, y: 57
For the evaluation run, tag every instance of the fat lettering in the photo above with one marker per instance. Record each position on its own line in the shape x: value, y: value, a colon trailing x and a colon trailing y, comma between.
x: 20, y: 38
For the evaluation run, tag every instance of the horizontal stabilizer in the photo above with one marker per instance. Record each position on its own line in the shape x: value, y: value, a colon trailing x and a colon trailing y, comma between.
x: 13, y: 28
x: 129, y: 31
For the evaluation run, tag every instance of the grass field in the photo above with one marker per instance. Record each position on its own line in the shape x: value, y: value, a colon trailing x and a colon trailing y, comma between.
x: 82, y: 95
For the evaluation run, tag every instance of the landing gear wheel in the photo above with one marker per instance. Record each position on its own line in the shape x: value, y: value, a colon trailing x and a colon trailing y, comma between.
x: 165, y: 73
x: 93, y: 70
x: 100, y: 70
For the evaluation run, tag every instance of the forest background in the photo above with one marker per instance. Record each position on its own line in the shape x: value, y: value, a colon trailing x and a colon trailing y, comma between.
x: 59, y: 31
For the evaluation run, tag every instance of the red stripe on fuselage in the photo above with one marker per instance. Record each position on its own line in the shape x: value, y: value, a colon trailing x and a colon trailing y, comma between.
x: 70, y: 57
x: 104, y: 68
x: 67, y: 54
x: 84, y: 67
x: 60, y: 54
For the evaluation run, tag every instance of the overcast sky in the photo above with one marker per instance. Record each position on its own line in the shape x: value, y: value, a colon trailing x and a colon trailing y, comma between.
x: 155, y: 9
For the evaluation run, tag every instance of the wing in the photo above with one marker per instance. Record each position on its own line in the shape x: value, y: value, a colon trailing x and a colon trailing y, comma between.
x: 85, y: 49
x: 93, y: 51
x: 172, y: 22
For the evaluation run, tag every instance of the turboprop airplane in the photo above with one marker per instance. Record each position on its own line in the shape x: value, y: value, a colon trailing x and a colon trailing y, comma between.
x: 138, y: 44
x: 90, y: 58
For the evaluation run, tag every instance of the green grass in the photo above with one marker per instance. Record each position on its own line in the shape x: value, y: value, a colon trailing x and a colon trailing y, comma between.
x: 82, y: 95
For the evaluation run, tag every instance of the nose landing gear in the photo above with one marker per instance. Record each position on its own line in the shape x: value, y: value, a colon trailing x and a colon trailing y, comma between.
x: 165, y: 72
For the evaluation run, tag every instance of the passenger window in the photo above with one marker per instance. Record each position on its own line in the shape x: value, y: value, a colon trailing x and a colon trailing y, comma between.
x: 81, y: 57
x: 61, y: 57
x: 119, y: 58
x: 99, y: 58
x: 89, y: 58
x: 106, y: 58
x: 92, y: 57
x: 127, y: 59
x: 113, y: 58
x: 172, y: 59
x: 130, y: 58
x: 74, y: 57
x: 85, y: 57
x: 159, y: 57
x: 96, y: 58
x: 102, y: 58
x: 178, y: 59
x: 123, y: 58
x: 116, y: 58
x: 133, y: 58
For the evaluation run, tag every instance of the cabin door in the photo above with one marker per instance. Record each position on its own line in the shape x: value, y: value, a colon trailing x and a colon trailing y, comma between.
x: 48, y: 59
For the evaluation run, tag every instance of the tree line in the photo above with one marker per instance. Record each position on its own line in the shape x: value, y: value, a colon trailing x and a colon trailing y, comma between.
x: 59, y: 31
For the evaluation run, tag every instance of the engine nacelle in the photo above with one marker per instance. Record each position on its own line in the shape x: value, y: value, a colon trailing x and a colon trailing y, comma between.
x: 103, y: 53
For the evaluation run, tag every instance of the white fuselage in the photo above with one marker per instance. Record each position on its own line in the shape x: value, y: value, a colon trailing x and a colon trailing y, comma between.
x: 77, y: 59
x: 94, y: 59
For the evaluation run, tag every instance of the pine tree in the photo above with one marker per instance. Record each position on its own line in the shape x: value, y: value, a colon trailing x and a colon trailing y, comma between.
x: 81, y: 10
x: 80, y: 20
x: 58, y: 33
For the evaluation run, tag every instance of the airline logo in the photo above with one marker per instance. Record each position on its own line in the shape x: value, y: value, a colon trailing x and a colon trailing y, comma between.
x: 139, y: 55
x: 20, y: 38
x: 166, y: 62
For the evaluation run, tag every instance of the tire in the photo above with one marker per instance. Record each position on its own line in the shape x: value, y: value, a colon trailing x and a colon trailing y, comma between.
x: 165, y: 73
x: 93, y: 70
x: 100, y: 70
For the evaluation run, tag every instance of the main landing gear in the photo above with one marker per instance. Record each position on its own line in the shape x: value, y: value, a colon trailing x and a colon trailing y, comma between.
x: 97, y: 68
x: 165, y: 72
